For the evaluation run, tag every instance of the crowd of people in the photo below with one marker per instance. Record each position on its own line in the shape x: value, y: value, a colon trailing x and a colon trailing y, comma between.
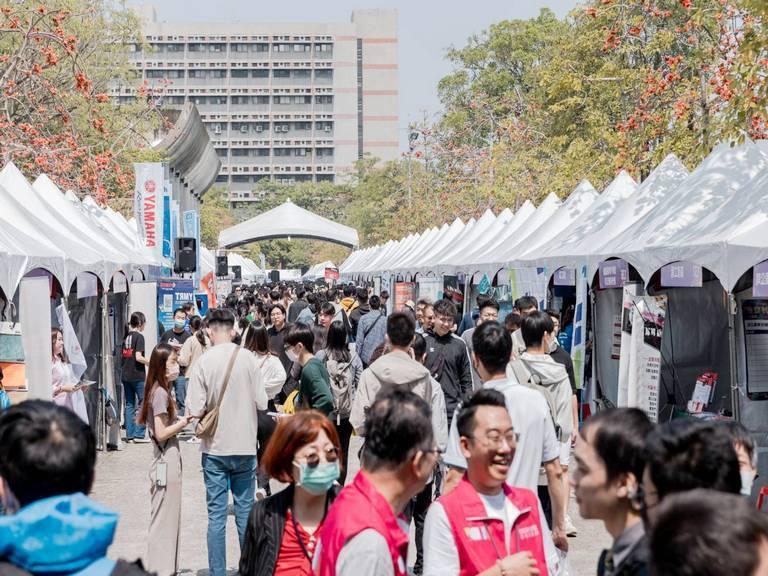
x: 469, y: 428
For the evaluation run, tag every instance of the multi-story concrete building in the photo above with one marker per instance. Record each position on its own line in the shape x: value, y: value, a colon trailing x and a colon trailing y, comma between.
x: 288, y: 102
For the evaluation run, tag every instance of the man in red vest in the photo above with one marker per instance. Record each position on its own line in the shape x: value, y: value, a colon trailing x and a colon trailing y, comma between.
x: 485, y: 526
x: 364, y: 532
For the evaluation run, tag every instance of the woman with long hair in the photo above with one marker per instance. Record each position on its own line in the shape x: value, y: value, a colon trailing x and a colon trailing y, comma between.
x: 344, y: 370
x: 273, y: 377
x: 66, y: 389
x: 158, y: 414
x: 132, y: 376
x: 283, y: 529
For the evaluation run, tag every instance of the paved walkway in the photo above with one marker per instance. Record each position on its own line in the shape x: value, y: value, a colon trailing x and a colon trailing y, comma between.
x: 122, y: 483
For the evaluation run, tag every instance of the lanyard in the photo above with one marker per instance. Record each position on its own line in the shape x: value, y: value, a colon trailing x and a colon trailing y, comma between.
x: 298, y: 534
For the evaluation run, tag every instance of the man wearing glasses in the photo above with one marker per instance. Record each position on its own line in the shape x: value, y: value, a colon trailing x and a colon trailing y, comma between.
x: 484, y: 525
x: 538, y: 445
x: 447, y: 357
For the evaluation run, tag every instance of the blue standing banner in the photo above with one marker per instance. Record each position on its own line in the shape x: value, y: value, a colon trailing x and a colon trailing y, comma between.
x: 172, y: 293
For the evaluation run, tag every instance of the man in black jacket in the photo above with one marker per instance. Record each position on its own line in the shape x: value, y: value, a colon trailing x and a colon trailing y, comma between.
x: 447, y: 357
x: 360, y: 310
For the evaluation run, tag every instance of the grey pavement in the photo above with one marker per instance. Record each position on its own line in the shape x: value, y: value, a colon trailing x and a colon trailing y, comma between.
x: 122, y: 483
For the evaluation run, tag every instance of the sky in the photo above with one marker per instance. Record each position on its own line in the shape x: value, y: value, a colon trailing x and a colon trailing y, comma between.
x: 427, y: 29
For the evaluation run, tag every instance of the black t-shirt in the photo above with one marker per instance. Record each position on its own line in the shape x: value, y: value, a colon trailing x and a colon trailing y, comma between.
x: 176, y: 340
x: 133, y: 370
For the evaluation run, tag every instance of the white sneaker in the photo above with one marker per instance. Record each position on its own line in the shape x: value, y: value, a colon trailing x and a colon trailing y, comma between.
x: 570, y: 529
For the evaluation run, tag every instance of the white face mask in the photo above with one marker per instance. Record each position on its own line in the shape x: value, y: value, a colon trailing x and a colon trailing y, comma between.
x: 747, y: 480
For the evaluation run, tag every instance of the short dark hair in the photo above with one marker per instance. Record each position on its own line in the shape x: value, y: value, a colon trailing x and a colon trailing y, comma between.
x: 138, y: 319
x: 384, y: 294
x: 301, y: 292
x: 512, y: 321
x: 526, y: 303
x: 179, y: 310
x: 279, y: 307
x: 419, y: 346
x: 686, y: 454
x: 331, y: 293
x: 740, y: 435
x: 399, y: 423
x: 348, y: 290
x: 223, y: 316
x: 275, y: 295
x: 362, y: 294
x: 487, y: 302
x: 444, y: 307
x: 465, y: 421
x: 492, y: 346
x: 534, y: 326
x: 328, y: 309
x: 400, y: 329
x: 299, y: 333
x: 375, y: 302
x: 619, y: 440
x: 706, y: 533
x: 45, y: 450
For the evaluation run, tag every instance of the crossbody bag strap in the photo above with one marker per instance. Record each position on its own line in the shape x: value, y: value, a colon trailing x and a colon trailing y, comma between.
x: 371, y: 327
x: 226, y: 377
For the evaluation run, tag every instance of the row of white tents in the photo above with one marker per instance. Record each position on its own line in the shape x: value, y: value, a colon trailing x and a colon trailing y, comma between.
x: 42, y: 227
x: 714, y: 217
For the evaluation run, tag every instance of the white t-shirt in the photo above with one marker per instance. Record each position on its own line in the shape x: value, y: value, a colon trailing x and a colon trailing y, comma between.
x: 441, y: 558
x: 531, y: 420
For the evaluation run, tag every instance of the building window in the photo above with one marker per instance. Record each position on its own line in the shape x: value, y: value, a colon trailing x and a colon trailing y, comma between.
x: 301, y: 73
x: 281, y: 47
x: 282, y: 151
x: 324, y: 74
x: 239, y: 73
x: 281, y: 73
x: 262, y: 152
x: 240, y: 152
x: 324, y: 99
x: 324, y: 126
x: 222, y: 178
x: 324, y: 152
x: 221, y: 152
x: 260, y: 73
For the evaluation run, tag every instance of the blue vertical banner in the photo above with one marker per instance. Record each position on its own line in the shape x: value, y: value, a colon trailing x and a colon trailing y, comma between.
x: 191, y: 229
x: 167, y: 226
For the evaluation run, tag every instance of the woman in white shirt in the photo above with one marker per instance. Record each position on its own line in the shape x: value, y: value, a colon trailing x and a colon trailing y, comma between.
x: 66, y: 389
x: 273, y: 377
x: 196, y: 346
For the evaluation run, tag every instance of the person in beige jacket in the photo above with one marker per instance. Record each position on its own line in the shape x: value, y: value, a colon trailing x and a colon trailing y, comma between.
x: 194, y: 347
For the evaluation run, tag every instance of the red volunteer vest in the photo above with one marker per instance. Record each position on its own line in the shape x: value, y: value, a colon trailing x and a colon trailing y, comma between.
x: 359, y: 506
x: 480, y: 540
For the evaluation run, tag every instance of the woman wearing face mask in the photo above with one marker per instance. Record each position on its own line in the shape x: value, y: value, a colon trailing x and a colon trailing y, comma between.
x: 744, y: 446
x: 158, y: 413
x: 283, y: 529
x: 277, y: 332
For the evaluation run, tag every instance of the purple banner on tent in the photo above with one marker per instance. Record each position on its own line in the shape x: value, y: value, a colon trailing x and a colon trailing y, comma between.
x: 760, y: 280
x: 613, y: 273
x: 681, y: 275
x: 564, y: 277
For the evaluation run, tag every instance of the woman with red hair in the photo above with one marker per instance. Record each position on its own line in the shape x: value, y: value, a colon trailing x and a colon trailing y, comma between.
x: 282, y: 529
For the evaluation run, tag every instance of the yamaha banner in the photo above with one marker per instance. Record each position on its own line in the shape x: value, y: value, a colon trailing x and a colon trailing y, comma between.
x: 148, y: 205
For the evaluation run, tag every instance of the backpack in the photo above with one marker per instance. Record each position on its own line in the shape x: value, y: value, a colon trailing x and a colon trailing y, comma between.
x: 531, y: 380
x: 342, y: 380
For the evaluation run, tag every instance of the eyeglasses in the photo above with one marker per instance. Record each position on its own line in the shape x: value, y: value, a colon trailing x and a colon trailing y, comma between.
x: 496, y: 439
x: 313, y: 459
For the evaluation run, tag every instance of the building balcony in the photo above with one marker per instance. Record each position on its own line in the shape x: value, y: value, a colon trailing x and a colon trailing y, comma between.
x: 286, y: 108
x: 322, y: 108
x: 249, y: 160
x: 292, y: 160
x: 303, y: 82
x: 323, y: 55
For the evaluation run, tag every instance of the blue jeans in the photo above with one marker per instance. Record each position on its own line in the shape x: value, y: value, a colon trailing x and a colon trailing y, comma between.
x: 134, y: 396
x: 221, y: 474
x: 180, y: 389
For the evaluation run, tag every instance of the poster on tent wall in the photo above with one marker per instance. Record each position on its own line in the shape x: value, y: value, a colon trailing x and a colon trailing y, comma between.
x: 453, y: 289
x: 404, y: 291
x: 630, y: 292
x: 430, y: 288
x: 148, y: 205
x: 172, y: 293
x: 578, y: 347
x: 644, y: 350
x: 529, y: 282
x: 755, y: 317
x: 208, y: 285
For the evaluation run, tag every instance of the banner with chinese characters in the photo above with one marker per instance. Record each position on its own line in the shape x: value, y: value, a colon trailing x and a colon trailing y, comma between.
x: 644, y: 353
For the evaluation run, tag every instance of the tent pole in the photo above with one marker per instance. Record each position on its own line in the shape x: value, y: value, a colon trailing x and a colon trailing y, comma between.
x: 735, y: 405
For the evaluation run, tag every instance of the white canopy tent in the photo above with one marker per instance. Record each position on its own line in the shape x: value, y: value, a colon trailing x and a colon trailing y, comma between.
x: 446, y: 237
x: 288, y: 220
